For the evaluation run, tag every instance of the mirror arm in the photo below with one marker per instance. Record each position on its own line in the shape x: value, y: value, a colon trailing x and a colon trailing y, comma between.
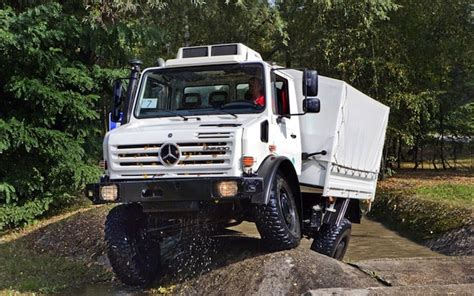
x: 305, y: 155
x: 280, y: 117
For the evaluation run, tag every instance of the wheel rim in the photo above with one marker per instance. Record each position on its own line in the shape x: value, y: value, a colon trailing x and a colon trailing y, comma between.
x: 340, y: 249
x: 287, y: 209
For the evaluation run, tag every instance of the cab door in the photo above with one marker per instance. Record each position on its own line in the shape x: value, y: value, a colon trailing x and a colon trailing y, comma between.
x: 285, y: 129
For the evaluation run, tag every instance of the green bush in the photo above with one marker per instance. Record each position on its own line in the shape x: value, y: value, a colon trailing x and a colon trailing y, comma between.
x: 49, y: 119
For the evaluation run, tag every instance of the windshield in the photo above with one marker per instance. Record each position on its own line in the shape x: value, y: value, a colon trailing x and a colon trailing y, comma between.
x: 204, y: 90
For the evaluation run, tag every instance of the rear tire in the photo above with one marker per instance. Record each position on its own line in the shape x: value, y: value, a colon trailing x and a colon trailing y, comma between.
x: 134, y: 256
x: 278, y: 221
x: 333, y: 240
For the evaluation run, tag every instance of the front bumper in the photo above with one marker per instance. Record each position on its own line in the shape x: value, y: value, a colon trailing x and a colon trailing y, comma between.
x: 176, y: 189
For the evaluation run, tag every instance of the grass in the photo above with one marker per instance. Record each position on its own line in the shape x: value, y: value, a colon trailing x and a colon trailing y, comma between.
x: 25, y: 271
x: 50, y: 256
x: 425, y: 203
x: 462, y: 194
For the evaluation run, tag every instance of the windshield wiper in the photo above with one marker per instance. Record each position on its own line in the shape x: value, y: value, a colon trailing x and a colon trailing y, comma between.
x: 177, y: 114
x: 226, y: 112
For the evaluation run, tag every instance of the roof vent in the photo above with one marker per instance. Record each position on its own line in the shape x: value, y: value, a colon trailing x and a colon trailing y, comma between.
x: 194, y: 52
x: 221, y: 50
x: 214, y: 54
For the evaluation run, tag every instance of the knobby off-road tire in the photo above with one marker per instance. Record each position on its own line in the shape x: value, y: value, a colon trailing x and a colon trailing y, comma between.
x: 134, y: 256
x: 333, y: 240
x: 278, y: 221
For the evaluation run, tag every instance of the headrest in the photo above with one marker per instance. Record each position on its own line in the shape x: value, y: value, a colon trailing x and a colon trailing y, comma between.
x: 218, y: 98
x: 192, y: 100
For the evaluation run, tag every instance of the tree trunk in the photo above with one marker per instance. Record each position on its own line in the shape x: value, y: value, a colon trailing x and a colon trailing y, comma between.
x: 399, y: 153
x: 415, y: 153
x: 421, y: 156
x: 455, y: 158
x: 434, y: 160
x: 288, y: 57
x: 441, y: 131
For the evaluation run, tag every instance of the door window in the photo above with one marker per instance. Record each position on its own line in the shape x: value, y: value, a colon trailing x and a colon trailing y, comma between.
x: 281, y: 100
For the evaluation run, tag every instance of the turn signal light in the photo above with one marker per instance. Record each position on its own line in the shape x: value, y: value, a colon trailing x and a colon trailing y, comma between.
x: 247, y: 161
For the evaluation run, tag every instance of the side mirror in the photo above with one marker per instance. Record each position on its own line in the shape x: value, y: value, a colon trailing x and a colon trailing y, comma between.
x: 310, y: 83
x: 117, y: 97
x: 311, y: 105
x: 114, y: 124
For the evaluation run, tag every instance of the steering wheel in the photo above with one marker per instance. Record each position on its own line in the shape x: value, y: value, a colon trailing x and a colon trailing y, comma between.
x: 239, y: 105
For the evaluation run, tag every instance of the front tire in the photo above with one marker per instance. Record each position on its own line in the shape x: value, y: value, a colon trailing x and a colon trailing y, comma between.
x: 333, y: 240
x: 278, y: 221
x: 134, y: 256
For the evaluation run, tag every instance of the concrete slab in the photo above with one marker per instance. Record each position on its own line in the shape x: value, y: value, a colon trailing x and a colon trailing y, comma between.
x: 421, y: 271
x: 465, y: 289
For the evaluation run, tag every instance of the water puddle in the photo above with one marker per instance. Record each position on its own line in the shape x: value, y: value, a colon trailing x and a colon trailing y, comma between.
x: 372, y: 240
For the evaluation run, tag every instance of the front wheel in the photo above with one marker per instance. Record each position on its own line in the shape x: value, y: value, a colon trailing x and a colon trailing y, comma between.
x: 134, y: 256
x: 278, y: 221
x: 333, y: 240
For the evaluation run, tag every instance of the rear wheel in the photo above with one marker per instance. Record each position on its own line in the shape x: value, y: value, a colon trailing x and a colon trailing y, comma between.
x: 278, y: 221
x: 333, y: 240
x: 134, y: 256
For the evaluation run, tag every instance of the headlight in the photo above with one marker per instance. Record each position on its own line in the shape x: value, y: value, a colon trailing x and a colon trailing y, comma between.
x: 109, y: 192
x: 227, y: 188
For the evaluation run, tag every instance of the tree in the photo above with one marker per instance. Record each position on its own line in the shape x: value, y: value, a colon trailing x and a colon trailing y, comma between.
x: 47, y: 111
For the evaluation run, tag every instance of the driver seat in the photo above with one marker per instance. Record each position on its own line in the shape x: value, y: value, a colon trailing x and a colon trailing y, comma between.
x: 191, y: 101
x: 218, y: 99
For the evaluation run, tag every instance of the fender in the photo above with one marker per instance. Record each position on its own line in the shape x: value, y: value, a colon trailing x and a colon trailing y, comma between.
x: 268, y: 170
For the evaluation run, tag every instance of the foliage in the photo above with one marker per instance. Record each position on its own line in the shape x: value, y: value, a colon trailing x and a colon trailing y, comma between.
x: 48, y: 111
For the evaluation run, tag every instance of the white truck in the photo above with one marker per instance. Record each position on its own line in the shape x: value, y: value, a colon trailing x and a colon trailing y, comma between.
x: 218, y: 136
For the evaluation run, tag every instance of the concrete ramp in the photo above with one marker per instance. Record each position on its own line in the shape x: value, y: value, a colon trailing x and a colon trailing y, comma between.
x: 421, y: 271
x: 413, y: 276
x: 466, y: 289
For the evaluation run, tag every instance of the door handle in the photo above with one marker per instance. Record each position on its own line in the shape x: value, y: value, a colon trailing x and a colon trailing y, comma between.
x: 293, y: 136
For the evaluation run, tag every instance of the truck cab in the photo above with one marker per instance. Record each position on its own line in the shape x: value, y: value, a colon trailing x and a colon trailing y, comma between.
x: 218, y: 136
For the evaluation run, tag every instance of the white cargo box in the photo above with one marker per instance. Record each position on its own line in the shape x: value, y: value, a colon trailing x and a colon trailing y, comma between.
x: 351, y: 128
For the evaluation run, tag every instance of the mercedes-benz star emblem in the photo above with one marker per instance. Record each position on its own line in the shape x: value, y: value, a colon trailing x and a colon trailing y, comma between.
x: 169, y: 154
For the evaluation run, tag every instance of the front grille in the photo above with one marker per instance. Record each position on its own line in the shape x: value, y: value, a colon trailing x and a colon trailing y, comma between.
x: 191, y: 154
x: 209, y: 154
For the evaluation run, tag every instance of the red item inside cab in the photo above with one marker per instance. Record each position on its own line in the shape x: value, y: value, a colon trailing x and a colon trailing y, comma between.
x: 260, y: 101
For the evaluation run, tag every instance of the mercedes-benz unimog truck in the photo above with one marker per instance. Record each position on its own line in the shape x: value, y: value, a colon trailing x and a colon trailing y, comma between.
x: 217, y: 136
